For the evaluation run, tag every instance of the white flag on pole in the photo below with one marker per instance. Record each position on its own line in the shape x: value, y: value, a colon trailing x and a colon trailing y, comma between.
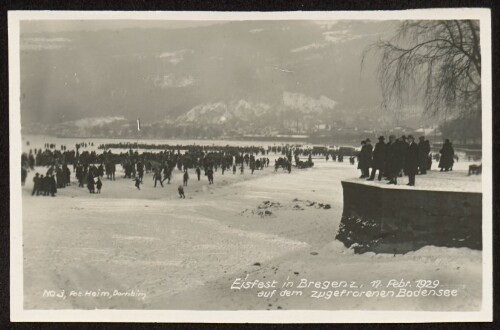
x: 138, y: 125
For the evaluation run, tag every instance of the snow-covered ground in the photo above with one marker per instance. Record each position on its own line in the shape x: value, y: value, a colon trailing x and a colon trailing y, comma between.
x: 187, y: 253
x: 456, y: 180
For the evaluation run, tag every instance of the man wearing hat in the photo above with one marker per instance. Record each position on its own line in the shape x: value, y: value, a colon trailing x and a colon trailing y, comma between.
x: 393, y: 160
x: 411, y: 160
x: 378, y: 159
x: 362, y: 159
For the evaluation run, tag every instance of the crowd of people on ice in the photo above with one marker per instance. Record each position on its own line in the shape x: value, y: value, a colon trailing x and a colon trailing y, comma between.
x: 402, y: 156
x: 391, y: 160
x: 90, y: 167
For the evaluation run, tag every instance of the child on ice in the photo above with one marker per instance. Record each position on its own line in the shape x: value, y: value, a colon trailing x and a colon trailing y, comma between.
x: 181, y: 192
x: 98, y: 185
x: 137, y: 182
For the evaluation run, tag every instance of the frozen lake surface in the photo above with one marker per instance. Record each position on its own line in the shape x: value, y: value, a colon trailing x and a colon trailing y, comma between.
x: 186, y: 254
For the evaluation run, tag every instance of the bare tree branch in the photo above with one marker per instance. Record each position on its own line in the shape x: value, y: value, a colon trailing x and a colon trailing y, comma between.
x: 439, y: 60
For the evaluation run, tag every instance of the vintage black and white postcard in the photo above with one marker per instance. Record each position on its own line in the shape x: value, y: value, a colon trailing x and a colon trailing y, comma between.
x: 251, y: 167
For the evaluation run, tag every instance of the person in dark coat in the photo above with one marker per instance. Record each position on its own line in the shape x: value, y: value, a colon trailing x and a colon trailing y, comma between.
x: 52, y: 185
x: 198, y: 172
x: 61, y: 182
x: 137, y: 183
x: 157, y: 177
x: 140, y: 171
x: 412, y: 160
x: 90, y: 183
x: 423, y: 155
x: 379, y: 155
x: 167, y: 172
x: 67, y: 175
x: 185, y: 178
x: 368, y: 158
x: 401, y: 151
x: 447, y: 152
x: 100, y: 170
x: 404, y: 150
x: 36, y: 185
x: 210, y: 175
x: 394, y: 159
x: 98, y: 185
x: 362, y: 159
x: 45, y: 184
x: 180, y: 189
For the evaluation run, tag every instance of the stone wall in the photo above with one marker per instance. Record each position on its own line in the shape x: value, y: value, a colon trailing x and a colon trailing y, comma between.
x: 386, y: 219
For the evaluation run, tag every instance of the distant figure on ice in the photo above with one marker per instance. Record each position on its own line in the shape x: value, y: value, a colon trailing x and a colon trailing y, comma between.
x: 242, y: 169
x: 447, y: 152
x: 167, y: 174
x: 185, y: 178
x: 411, y: 160
x: 43, y: 185
x: 52, y: 186
x: 140, y: 171
x: 98, y: 185
x: 234, y: 169
x: 137, y: 183
x: 90, y: 183
x: 181, y: 192
x: 67, y: 175
x: 157, y: 177
x: 36, y: 185
x: 24, y: 174
x: 198, y: 172
x: 210, y: 174
x: 100, y: 170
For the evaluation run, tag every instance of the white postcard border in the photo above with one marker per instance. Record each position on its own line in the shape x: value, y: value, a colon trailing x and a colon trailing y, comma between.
x: 18, y: 313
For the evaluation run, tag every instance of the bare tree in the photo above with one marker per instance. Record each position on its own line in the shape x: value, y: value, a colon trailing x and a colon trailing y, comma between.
x: 437, y: 61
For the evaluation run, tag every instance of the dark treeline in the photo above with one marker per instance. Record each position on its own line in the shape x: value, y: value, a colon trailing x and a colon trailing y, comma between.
x: 297, y: 149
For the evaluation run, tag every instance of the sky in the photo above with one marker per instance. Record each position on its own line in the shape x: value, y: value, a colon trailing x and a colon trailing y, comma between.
x: 55, y: 26
x: 76, y: 69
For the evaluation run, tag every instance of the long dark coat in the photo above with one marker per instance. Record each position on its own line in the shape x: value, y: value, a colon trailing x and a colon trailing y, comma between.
x: 362, y: 157
x: 395, y: 156
x: 412, y: 159
x: 53, y: 185
x: 423, y: 153
x: 379, y: 155
x: 369, y: 156
x: 447, y: 153
x: 365, y: 156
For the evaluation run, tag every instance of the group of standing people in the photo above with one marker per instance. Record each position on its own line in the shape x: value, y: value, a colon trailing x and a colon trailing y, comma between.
x: 397, y: 157
x: 44, y: 185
